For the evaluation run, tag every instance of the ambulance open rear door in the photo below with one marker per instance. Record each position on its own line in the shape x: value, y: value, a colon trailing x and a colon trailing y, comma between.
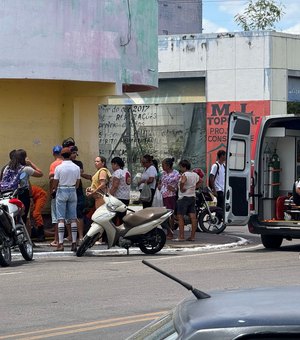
x: 238, y: 167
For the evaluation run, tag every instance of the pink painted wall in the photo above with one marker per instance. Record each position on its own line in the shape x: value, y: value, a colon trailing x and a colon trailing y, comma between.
x: 86, y: 40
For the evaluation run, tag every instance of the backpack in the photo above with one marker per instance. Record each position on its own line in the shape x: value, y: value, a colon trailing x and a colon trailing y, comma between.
x: 296, y: 196
x: 218, y: 167
x: 10, y: 179
x: 217, y: 173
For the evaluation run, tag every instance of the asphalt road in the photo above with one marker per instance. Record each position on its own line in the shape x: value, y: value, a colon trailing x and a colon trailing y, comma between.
x: 109, y: 297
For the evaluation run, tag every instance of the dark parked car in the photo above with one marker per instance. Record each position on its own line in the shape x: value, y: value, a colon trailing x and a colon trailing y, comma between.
x: 260, y: 313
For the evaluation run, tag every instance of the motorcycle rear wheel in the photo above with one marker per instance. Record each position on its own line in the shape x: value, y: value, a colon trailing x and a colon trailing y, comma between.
x: 26, y: 247
x: 153, y: 243
x: 212, y: 225
x: 186, y: 222
x: 87, y: 242
x: 5, y: 254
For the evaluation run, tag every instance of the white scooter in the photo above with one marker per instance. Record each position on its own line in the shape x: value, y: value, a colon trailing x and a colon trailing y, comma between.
x: 141, y: 228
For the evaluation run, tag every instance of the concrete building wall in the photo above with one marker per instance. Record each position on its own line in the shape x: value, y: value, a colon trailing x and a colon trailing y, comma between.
x: 243, y: 71
x: 179, y: 16
x: 181, y: 53
x: 38, y: 114
x: 60, y: 60
x: 237, y: 66
x: 84, y: 40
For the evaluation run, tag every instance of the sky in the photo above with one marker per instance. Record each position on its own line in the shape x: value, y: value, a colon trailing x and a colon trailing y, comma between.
x: 218, y: 16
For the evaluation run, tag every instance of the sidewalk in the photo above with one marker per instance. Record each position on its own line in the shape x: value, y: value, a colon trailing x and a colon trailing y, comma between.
x: 204, y: 242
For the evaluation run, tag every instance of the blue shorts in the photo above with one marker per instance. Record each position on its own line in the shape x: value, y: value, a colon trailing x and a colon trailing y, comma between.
x: 66, y: 203
x: 186, y: 205
x: 53, y: 211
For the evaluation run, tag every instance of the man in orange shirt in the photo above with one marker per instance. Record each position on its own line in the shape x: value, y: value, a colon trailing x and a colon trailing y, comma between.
x: 58, y: 160
x: 39, y: 201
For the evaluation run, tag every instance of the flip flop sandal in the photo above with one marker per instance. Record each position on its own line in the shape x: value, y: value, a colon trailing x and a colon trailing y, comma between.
x: 190, y: 239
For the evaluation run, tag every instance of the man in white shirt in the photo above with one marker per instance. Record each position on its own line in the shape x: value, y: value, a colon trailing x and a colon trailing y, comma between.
x: 66, y: 181
x: 217, y: 178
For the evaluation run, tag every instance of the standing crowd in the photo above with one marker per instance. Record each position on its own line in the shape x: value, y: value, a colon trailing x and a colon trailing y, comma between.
x: 177, y: 190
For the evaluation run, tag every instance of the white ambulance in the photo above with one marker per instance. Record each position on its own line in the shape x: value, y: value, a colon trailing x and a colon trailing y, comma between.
x: 256, y: 181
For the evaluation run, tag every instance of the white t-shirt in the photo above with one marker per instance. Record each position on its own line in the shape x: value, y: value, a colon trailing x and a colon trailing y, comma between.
x: 67, y: 173
x: 149, y: 172
x: 190, y: 185
x: 220, y: 178
x: 123, y: 191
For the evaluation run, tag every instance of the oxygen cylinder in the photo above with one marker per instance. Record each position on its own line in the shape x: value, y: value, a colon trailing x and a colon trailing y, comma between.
x: 266, y: 159
x: 276, y: 174
x: 270, y: 178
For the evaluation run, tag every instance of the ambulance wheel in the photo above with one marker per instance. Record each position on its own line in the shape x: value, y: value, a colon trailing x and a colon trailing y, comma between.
x: 271, y: 241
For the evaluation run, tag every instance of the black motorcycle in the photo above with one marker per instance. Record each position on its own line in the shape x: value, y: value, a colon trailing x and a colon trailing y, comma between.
x: 210, y: 217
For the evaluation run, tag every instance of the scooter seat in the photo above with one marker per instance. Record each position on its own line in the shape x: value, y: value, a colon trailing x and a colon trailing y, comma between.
x: 143, y: 216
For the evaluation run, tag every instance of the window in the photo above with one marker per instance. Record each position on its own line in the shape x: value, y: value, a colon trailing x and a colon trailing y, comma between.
x: 237, y: 152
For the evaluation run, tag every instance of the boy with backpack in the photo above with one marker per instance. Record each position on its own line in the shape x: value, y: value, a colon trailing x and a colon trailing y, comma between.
x: 217, y: 178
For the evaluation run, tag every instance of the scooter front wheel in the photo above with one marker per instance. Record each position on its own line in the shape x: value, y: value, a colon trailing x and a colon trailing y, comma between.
x: 87, y: 242
x: 212, y: 224
x: 154, y: 242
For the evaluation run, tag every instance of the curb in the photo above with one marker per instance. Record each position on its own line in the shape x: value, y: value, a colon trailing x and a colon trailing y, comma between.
x: 168, y: 249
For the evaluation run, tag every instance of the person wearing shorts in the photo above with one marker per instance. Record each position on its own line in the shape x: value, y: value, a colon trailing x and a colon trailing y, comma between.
x: 66, y: 181
x: 188, y: 183
x: 168, y: 186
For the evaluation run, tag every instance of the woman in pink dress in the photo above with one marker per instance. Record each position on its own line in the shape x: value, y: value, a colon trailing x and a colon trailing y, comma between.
x: 168, y: 185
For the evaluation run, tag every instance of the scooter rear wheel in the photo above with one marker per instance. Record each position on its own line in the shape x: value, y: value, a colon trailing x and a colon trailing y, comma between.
x: 154, y: 242
x: 5, y: 254
x: 212, y: 225
x: 87, y: 242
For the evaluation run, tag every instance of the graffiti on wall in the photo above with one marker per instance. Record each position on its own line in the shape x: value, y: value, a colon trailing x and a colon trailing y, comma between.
x: 164, y: 130
x: 217, y: 122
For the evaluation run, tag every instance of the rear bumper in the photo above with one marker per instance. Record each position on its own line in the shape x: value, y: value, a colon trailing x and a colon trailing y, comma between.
x: 289, y: 230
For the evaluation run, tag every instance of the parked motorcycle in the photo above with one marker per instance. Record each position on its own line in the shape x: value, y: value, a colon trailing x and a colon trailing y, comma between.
x: 140, y: 228
x: 210, y: 218
x: 13, y: 232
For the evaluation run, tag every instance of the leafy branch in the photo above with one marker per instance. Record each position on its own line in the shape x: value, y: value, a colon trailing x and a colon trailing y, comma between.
x: 260, y: 15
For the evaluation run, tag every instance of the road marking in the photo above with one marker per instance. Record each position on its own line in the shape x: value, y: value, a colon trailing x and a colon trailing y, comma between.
x: 84, y: 327
x: 10, y: 273
x: 160, y: 258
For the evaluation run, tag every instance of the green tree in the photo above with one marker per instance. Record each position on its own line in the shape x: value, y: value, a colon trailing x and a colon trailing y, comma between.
x: 260, y: 15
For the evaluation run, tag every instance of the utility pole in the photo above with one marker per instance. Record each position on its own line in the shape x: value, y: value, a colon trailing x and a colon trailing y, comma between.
x: 127, y: 137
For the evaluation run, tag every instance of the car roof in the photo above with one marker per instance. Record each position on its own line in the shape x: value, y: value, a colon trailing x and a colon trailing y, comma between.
x: 241, y: 308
